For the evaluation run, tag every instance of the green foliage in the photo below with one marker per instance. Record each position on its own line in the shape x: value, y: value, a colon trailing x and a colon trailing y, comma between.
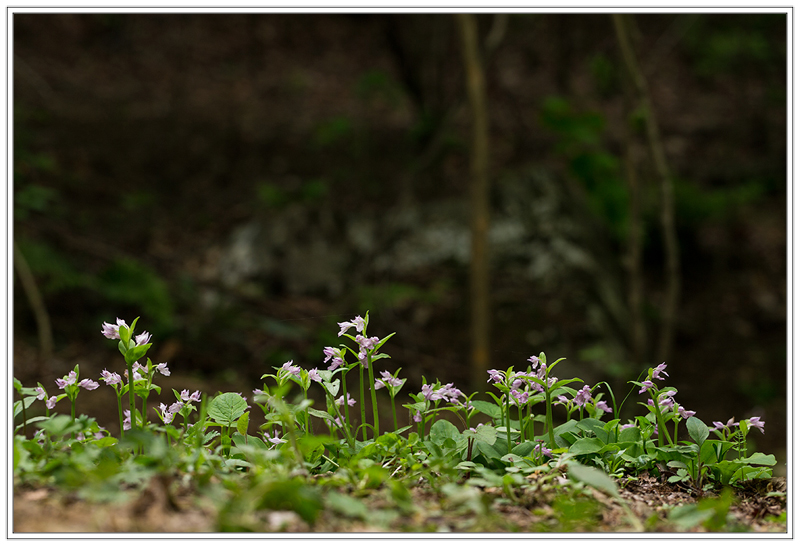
x: 291, y: 469
x: 580, y: 142
x: 129, y: 282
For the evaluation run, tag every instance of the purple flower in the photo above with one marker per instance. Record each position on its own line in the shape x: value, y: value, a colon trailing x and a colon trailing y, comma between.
x: 88, y: 384
x: 539, y: 448
x: 521, y: 397
x: 350, y: 401
x: 142, y: 339
x: 313, y: 374
x: 448, y: 392
x: 111, y: 331
x: 126, y: 424
x: 110, y: 378
x: 417, y: 417
x: 685, y: 413
x: 275, y: 440
x: 719, y: 426
x: 629, y: 425
x: 534, y: 360
x: 358, y: 323
x: 757, y: 422
x: 288, y: 368
x: 429, y: 394
x: 194, y: 397
x: 41, y: 394
x: 176, y: 407
x: 495, y: 376
x: 646, y: 385
x: 51, y: 402
x: 68, y: 379
x: 658, y: 370
x: 330, y: 352
x: 162, y: 368
x: 601, y: 404
x: 563, y: 400
x: 583, y: 396
x: 166, y: 415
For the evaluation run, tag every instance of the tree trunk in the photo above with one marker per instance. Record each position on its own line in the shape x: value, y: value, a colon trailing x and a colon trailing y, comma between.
x: 479, y: 199
x: 671, y: 250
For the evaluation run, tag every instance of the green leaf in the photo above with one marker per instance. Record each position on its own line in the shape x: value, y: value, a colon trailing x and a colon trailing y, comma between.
x: 593, y: 478
x: 630, y: 434
x: 442, y: 430
x: 487, y: 408
x: 226, y: 408
x: 347, y: 505
x: 586, y: 445
x: 698, y: 430
x: 759, y: 458
x: 242, y: 423
x: 321, y: 414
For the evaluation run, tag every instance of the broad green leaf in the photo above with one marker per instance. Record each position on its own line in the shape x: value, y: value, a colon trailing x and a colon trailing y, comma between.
x: 593, y: 477
x: 759, y: 458
x: 442, y: 429
x: 487, y: 408
x: 698, y: 430
x: 242, y: 423
x: 321, y: 414
x: 347, y: 506
x: 630, y: 434
x: 586, y: 445
x: 226, y: 408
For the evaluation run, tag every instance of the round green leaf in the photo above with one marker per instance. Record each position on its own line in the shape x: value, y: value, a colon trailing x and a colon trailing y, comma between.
x: 226, y: 408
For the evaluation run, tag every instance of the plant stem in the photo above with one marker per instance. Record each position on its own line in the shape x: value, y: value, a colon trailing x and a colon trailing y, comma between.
x: 363, y: 406
x: 130, y: 394
x: 508, y: 420
x: 375, y: 419
x: 344, y: 388
x: 394, y: 411
x: 119, y: 407
x: 549, y: 411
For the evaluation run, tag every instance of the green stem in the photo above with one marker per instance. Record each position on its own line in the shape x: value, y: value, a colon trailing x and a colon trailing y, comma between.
x: 363, y: 406
x: 131, y: 401
x: 394, y: 411
x: 549, y: 412
x: 662, y: 428
x: 508, y: 420
x: 344, y: 388
x: 375, y: 419
x: 119, y: 407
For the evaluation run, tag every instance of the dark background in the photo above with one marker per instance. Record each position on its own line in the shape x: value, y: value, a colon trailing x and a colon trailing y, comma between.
x: 243, y: 182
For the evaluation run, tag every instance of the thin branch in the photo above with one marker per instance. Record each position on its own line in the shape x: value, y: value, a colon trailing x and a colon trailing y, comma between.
x: 38, y: 307
x: 669, y: 233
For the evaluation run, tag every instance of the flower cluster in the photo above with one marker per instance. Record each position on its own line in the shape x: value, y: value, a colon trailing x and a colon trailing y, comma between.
x: 387, y: 380
x: 446, y: 392
x: 752, y: 422
x: 335, y: 356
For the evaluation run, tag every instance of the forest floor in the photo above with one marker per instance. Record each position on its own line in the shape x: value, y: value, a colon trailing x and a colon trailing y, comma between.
x: 652, y: 504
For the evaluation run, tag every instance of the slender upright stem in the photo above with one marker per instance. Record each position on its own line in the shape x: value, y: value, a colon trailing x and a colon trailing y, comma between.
x: 375, y: 419
x: 363, y: 406
x: 549, y: 413
x: 346, y: 412
x: 131, y: 400
x: 119, y: 407
x: 508, y: 421
x: 394, y: 411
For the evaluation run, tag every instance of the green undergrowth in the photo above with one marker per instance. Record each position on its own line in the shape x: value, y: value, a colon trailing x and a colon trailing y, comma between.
x: 509, y: 467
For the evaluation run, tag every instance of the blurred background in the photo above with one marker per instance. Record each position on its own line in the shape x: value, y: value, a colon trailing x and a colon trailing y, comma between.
x: 243, y: 182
